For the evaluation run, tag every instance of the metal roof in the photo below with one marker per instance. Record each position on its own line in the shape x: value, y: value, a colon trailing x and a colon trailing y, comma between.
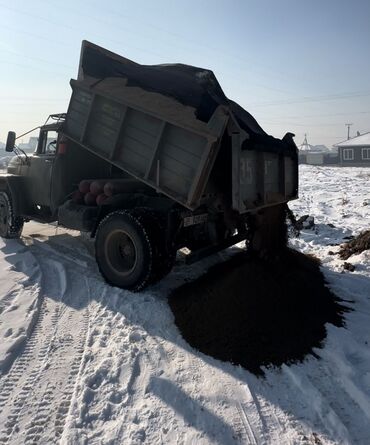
x: 358, y: 141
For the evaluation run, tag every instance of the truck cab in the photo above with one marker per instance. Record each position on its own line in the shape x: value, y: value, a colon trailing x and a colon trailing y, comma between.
x: 36, y: 170
x: 29, y: 176
x: 37, y: 184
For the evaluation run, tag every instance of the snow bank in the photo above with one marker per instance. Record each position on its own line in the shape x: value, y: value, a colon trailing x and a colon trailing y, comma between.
x: 19, y: 298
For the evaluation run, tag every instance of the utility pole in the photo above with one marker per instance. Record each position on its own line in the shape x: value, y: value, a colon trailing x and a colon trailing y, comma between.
x: 348, y: 125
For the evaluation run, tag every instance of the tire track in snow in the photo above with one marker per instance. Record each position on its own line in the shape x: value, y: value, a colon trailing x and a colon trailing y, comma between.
x: 191, y: 375
x: 36, y: 393
x: 244, y: 430
x: 340, y: 408
x: 33, y: 348
x: 321, y: 403
x: 25, y: 373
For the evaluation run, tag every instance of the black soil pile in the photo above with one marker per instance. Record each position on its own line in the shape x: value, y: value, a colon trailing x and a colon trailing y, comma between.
x: 355, y: 246
x: 256, y: 313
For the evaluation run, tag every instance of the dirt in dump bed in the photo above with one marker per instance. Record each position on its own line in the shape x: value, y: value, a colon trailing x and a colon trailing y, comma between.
x: 256, y: 313
x: 355, y: 246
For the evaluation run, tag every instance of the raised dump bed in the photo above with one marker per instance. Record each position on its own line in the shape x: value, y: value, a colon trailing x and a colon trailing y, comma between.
x: 165, y: 125
x: 166, y: 149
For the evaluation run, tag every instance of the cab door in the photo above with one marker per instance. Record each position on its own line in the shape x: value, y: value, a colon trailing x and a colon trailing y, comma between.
x: 39, y: 172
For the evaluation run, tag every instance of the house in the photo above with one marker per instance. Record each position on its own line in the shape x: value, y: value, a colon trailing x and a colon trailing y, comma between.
x: 355, y: 151
x: 316, y: 154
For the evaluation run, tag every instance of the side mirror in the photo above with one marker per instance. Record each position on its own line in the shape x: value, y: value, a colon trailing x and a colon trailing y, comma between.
x: 10, y: 141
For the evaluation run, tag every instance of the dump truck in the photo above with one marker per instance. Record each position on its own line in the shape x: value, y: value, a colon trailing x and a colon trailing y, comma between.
x: 190, y: 168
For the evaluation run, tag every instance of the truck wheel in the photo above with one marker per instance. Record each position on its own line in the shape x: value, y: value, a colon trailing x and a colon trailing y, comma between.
x: 10, y: 226
x: 124, y: 251
x: 163, y: 260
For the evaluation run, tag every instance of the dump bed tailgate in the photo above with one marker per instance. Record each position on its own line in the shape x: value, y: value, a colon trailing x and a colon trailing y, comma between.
x: 171, y: 153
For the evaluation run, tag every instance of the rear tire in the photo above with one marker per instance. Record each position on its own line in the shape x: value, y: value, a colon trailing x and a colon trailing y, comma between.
x: 127, y: 249
x: 130, y: 249
x: 10, y: 226
x: 163, y: 257
x: 123, y: 250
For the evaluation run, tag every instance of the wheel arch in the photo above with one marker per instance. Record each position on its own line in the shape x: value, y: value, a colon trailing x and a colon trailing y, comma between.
x: 123, y: 202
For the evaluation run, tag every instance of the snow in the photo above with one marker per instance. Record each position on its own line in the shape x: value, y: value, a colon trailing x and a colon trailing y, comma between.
x: 85, y: 363
x: 19, y: 298
x: 359, y: 141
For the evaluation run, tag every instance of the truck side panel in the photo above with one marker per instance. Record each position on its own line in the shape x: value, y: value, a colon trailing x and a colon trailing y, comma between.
x: 166, y: 156
x: 261, y: 179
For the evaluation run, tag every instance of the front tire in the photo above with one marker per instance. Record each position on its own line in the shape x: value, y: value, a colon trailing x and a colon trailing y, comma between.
x: 10, y: 226
x: 123, y: 250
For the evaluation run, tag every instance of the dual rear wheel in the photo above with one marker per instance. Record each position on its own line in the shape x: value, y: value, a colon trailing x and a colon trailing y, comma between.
x: 130, y: 249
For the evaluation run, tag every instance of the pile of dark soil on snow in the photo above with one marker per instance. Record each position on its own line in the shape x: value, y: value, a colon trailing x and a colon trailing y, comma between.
x: 256, y: 313
x: 356, y: 245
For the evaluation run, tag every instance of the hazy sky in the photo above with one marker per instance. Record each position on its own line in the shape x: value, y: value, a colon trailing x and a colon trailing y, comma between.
x: 296, y: 65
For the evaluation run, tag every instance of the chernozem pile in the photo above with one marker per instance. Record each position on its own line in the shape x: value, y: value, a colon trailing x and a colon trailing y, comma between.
x: 255, y: 313
x: 355, y: 246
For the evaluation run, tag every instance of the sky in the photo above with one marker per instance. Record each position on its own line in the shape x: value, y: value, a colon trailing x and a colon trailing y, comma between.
x: 296, y: 65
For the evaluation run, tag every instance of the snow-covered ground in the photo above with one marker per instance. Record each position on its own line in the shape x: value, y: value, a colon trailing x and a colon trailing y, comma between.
x: 85, y: 363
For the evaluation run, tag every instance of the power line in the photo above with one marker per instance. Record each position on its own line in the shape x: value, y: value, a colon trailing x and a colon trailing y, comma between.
x: 328, y: 114
x: 314, y: 99
x: 54, y: 73
x: 37, y: 36
x: 64, y: 25
x: 224, y: 55
x: 38, y: 59
x: 293, y: 124
x: 331, y: 137
x: 31, y: 99
x: 279, y: 102
x: 267, y: 69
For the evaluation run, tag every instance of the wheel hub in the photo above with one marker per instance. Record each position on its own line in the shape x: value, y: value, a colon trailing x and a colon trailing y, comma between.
x: 121, y: 252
